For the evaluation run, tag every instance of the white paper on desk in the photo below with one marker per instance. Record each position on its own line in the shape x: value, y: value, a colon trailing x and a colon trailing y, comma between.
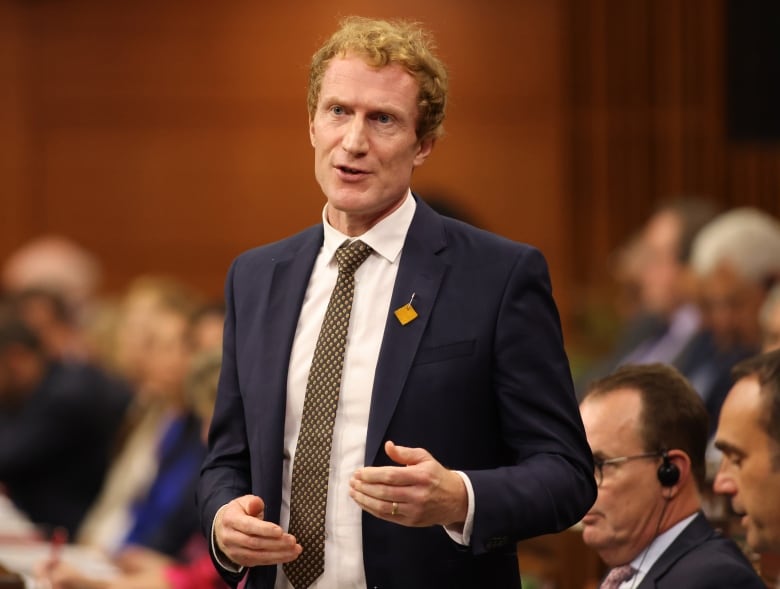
x: 24, y: 557
x: 13, y: 523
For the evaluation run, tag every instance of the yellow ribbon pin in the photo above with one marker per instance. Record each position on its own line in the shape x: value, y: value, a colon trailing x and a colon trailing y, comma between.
x: 406, y: 313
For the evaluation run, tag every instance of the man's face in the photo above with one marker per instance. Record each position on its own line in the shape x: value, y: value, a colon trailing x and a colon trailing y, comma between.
x: 730, y: 304
x: 623, y: 520
x: 661, y: 271
x: 747, y: 473
x: 771, y: 329
x: 365, y: 141
x: 168, y: 355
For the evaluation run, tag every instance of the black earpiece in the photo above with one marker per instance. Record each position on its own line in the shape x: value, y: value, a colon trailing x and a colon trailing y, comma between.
x: 668, y: 473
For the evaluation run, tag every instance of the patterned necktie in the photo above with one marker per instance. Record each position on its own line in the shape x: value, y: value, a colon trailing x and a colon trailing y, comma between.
x: 311, y: 466
x: 617, y: 576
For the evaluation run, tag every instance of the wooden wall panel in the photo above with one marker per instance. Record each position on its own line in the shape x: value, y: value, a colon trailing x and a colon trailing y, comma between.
x: 15, y: 217
x: 171, y: 136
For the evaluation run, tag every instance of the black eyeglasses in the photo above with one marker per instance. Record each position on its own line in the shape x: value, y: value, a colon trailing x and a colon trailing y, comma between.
x: 598, y: 470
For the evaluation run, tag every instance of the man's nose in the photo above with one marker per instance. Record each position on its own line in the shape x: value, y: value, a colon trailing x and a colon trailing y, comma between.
x: 724, y: 483
x: 355, y: 139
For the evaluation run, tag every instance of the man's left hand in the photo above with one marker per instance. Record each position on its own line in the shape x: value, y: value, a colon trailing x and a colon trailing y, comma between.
x: 420, y: 493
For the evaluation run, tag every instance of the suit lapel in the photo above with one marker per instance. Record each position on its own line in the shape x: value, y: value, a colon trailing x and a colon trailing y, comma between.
x: 420, y: 273
x: 286, y: 292
x: 692, y: 536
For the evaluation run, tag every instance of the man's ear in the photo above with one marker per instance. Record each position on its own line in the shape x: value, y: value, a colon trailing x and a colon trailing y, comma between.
x: 680, y: 461
x: 424, y: 149
x: 311, y: 132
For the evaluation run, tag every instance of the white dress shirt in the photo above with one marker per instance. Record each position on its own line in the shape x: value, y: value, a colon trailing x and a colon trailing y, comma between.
x: 374, y: 281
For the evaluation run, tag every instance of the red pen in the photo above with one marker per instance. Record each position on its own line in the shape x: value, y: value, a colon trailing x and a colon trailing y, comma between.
x: 59, y: 538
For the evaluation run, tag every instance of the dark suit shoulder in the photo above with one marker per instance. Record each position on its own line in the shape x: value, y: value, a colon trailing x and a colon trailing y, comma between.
x: 460, y: 233
x: 703, y: 559
x: 720, y: 563
x: 283, y: 247
x: 469, y: 247
x: 255, y: 261
x: 445, y: 233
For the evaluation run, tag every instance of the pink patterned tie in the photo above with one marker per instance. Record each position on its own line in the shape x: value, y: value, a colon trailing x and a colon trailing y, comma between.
x: 618, y: 575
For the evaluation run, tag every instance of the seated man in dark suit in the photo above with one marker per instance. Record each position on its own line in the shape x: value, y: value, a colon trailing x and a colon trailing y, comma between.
x: 57, y: 426
x: 647, y: 428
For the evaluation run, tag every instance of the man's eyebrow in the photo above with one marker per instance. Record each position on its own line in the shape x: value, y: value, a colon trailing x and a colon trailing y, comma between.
x: 727, y: 448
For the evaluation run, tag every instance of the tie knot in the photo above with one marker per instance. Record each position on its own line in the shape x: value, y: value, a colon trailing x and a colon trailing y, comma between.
x: 350, y: 256
x: 617, y: 576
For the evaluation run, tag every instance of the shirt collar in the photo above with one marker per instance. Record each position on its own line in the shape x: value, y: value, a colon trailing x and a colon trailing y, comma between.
x: 386, y: 238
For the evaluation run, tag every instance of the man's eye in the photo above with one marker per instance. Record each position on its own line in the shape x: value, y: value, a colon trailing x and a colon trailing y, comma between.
x: 337, y: 110
x: 384, y: 119
x: 734, y: 461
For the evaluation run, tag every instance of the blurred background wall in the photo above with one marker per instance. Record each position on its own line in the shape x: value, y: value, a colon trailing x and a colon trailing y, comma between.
x: 167, y: 137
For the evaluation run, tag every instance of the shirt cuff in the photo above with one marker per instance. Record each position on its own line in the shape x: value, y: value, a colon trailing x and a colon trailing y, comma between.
x: 463, y: 537
x: 219, y: 556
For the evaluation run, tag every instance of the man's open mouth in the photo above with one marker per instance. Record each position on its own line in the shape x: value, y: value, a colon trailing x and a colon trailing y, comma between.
x: 348, y: 170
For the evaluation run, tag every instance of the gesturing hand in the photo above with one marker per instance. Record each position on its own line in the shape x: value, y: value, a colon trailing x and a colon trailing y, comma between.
x: 247, y: 540
x: 420, y: 493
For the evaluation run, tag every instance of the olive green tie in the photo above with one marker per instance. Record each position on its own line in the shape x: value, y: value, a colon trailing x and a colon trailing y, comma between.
x: 311, y: 465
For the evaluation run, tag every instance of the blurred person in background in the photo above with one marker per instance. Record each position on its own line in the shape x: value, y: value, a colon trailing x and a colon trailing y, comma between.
x: 58, y: 422
x: 47, y: 312
x: 136, y: 316
x: 769, y: 319
x: 206, y: 327
x: 667, y: 325
x: 736, y: 258
x: 625, y: 267
x: 148, y: 569
x: 647, y: 429
x: 148, y: 499
x: 54, y: 263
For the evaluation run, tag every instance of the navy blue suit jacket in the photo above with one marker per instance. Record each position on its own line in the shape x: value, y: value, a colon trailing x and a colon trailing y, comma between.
x: 479, y: 379
x: 700, y: 558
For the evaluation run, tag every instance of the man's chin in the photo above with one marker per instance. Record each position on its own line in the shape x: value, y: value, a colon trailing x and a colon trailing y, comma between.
x: 592, y: 536
x: 754, y: 537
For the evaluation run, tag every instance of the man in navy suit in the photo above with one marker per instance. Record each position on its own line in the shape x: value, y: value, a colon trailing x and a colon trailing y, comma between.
x: 647, y: 428
x: 457, y: 431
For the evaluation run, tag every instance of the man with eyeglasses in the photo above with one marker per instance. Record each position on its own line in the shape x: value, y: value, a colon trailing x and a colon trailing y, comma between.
x: 647, y: 428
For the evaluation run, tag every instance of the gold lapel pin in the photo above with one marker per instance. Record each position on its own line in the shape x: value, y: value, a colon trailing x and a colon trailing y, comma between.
x: 406, y: 313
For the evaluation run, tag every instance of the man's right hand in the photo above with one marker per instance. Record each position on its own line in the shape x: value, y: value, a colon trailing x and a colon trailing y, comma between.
x: 247, y: 540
